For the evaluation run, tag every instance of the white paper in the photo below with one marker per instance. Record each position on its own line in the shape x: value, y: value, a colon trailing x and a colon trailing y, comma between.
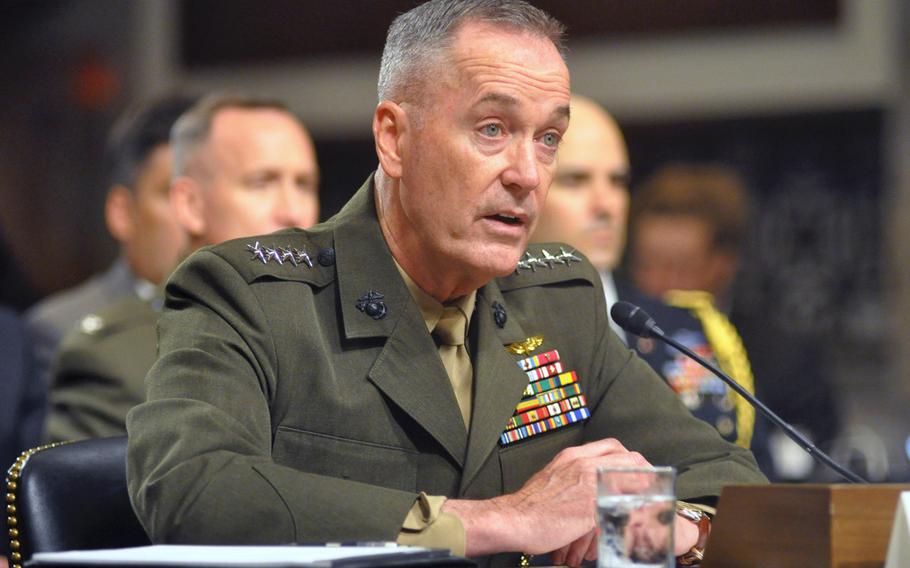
x: 899, y: 547
x: 169, y: 555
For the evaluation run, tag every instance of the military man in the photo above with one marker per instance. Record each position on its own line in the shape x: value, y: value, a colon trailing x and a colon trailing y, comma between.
x: 385, y: 375
x: 138, y: 216
x: 690, y: 229
x: 588, y: 207
x: 242, y: 166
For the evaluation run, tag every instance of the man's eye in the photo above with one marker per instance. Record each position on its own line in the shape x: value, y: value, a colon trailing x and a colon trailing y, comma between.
x: 491, y: 130
x: 569, y: 181
x: 550, y: 139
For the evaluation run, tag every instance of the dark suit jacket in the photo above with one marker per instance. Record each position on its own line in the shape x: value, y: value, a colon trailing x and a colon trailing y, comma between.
x: 23, y: 400
x: 280, y: 412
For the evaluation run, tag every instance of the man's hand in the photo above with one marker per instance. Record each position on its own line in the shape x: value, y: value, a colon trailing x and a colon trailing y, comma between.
x: 553, y: 512
x: 685, y: 535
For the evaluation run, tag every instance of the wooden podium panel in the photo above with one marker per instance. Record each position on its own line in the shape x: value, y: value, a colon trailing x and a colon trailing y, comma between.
x: 802, y: 526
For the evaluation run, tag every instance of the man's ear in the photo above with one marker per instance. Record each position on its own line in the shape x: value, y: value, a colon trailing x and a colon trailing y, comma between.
x: 118, y: 213
x: 188, y: 204
x: 390, y: 130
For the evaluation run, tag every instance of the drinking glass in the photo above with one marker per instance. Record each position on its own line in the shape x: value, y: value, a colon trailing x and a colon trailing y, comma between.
x: 636, y: 508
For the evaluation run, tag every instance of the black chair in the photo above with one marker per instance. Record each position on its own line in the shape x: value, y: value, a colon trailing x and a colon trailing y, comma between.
x: 70, y: 496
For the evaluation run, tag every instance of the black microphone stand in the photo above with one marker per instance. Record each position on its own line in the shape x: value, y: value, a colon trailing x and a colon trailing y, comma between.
x: 789, y: 430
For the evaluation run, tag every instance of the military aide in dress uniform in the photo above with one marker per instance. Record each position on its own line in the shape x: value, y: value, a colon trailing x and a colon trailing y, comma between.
x: 392, y: 373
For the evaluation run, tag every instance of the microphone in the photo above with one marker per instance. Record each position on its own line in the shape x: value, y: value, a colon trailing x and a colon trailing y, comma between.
x: 637, y: 321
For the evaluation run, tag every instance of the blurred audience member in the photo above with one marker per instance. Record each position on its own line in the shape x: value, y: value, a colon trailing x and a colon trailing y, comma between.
x: 689, y: 225
x: 242, y: 166
x: 22, y: 402
x: 15, y: 290
x: 587, y: 207
x: 137, y: 213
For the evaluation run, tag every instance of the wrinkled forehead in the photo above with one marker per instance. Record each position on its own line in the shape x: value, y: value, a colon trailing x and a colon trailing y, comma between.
x: 592, y: 146
x: 484, y: 53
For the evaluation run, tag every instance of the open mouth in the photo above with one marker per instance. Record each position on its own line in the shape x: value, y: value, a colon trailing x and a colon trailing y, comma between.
x: 507, y: 219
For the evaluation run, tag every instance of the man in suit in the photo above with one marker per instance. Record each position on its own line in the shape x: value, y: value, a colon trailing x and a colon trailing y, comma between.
x: 22, y: 405
x: 383, y: 376
x: 243, y: 166
x: 138, y: 216
x: 588, y: 207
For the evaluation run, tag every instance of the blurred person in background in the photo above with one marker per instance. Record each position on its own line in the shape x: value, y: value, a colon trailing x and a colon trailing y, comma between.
x: 22, y: 402
x: 689, y: 224
x: 138, y: 216
x: 242, y: 166
x: 587, y: 207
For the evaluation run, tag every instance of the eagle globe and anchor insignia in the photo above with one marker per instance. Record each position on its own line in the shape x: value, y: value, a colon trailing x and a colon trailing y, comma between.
x: 372, y: 305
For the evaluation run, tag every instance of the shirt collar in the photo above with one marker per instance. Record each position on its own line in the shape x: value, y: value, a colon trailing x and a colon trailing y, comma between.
x: 430, y: 308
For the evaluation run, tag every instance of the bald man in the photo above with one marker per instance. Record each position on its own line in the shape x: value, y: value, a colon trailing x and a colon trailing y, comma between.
x: 588, y: 207
x: 588, y: 203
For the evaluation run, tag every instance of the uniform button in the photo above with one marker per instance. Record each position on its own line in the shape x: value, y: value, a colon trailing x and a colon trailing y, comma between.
x: 91, y: 324
x: 499, y: 314
x: 326, y: 257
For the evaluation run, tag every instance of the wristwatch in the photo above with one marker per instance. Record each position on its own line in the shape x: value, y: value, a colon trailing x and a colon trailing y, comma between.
x: 695, y: 554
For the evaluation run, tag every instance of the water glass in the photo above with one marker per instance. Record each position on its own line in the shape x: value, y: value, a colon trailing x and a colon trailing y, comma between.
x: 636, y: 508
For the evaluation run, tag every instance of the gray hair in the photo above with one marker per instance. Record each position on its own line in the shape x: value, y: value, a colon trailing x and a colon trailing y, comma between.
x: 418, y: 37
x: 192, y: 129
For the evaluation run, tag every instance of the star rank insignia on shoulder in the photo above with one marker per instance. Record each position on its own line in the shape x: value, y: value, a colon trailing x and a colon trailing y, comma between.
x: 553, y: 398
x: 546, y: 259
x: 280, y: 255
x: 291, y: 255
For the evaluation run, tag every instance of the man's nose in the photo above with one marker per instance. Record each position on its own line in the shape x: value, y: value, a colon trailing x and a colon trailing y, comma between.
x: 522, y: 172
x: 605, y: 196
x: 289, y: 207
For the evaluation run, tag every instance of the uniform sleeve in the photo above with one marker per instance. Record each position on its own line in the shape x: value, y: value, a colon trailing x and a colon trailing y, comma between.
x: 86, y: 404
x: 426, y: 525
x: 199, y: 464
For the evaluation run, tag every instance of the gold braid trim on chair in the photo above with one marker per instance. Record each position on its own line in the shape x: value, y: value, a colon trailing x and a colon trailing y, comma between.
x: 12, y: 514
x: 729, y: 350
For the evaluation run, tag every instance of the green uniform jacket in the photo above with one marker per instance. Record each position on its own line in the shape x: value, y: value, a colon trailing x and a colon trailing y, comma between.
x: 279, y: 412
x: 99, y: 373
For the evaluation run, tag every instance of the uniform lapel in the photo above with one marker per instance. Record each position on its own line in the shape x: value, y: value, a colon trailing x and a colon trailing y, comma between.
x: 498, y: 382
x: 411, y: 374
x: 408, y: 370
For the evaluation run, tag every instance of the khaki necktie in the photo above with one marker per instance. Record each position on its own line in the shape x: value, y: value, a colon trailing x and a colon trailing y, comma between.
x: 450, y: 335
x: 728, y: 348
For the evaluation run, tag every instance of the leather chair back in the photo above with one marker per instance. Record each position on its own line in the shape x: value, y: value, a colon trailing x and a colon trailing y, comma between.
x: 71, y: 496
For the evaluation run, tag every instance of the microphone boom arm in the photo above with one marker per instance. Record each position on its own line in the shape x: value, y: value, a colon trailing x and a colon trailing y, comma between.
x: 789, y: 430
